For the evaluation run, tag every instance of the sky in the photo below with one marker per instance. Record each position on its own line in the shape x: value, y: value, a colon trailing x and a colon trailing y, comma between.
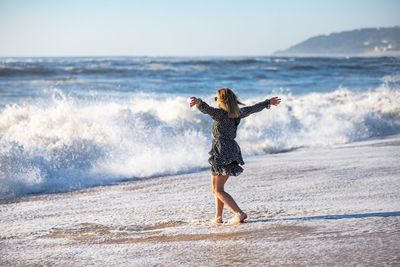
x: 178, y: 27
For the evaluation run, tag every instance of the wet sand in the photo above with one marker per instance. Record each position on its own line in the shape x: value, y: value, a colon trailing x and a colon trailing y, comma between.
x: 334, y: 206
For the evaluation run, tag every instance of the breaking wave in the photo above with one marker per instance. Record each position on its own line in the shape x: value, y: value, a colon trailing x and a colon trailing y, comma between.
x: 68, y: 143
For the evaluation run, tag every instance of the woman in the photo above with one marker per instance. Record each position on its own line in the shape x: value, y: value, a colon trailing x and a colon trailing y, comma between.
x: 225, y: 154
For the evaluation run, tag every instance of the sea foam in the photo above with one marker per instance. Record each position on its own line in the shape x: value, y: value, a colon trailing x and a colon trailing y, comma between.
x: 67, y: 143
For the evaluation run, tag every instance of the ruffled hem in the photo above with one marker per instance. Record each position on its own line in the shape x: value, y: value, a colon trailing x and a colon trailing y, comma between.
x: 225, y: 157
x: 231, y: 169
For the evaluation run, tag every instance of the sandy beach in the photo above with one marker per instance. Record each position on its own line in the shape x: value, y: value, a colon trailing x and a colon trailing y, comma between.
x: 336, y: 206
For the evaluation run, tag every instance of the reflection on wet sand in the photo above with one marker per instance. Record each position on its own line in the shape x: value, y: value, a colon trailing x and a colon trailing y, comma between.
x: 101, y: 234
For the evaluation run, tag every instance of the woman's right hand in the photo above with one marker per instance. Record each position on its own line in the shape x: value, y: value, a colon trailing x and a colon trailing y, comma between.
x: 275, y: 101
x: 193, y: 101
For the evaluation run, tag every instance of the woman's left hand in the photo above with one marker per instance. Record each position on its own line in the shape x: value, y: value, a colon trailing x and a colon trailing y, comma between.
x: 193, y: 101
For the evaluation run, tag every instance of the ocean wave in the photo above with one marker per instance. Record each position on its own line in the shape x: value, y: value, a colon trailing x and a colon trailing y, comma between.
x: 129, y: 66
x: 302, y: 67
x: 273, y: 69
x: 108, y: 68
x: 70, y: 143
x: 7, y: 71
x: 351, y: 66
x: 323, y: 119
x: 394, y: 78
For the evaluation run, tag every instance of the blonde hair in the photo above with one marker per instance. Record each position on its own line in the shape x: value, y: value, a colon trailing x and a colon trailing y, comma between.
x: 229, y: 102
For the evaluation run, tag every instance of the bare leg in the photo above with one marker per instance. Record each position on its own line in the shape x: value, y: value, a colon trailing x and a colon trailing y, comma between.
x: 219, y: 205
x: 218, y: 183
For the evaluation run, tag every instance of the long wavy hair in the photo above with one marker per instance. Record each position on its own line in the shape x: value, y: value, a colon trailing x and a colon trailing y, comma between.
x: 229, y: 102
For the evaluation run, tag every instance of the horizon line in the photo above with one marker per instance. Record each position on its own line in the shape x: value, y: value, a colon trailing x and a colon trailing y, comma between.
x: 203, y: 56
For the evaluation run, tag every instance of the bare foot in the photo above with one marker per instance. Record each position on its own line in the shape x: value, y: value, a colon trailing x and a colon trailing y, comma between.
x: 241, y: 216
x: 218, y: 219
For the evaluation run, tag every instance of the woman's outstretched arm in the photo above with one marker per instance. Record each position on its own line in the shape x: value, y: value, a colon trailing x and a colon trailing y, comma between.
x: 215, y: 113
x: 246, y: 111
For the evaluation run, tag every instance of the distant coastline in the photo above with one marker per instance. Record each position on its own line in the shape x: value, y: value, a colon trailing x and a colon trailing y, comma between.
x: 367, y: 42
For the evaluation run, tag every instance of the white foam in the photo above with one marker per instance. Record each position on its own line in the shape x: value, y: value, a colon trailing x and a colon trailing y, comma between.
x: 66, y: 143
x: 323, y: 119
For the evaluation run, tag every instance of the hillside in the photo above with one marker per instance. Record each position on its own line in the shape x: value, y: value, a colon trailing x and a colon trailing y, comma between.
x: 360, y: 42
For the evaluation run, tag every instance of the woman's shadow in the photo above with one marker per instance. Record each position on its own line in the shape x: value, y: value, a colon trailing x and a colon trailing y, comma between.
x: 330, y: 217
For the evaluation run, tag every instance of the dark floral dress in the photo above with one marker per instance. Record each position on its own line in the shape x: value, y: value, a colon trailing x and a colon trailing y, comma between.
x: 225, y: 153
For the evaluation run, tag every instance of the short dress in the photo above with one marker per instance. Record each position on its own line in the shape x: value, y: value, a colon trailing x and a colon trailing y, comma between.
x: 225, y: 154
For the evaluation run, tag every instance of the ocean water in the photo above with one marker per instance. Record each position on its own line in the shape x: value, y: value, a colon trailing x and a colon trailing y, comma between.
x: 71, y: 123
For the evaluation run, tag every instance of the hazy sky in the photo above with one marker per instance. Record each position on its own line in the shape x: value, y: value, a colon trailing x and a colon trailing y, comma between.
x: 178, y: 28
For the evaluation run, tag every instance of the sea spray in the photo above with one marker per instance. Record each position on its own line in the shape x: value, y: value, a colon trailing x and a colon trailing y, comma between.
x: 322, y: 119
x: 67, y: 143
